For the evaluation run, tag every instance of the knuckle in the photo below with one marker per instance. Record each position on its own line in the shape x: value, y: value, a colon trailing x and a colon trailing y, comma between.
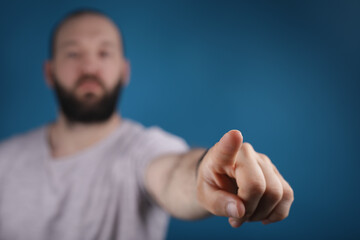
x: 247, y: 148
x: 264, y: 157
x: 214, y: 209
x: 279, y: 215
x: 274, y: 193
x: 208, y: 205
x: 257, y: 187
x: 288, y: 194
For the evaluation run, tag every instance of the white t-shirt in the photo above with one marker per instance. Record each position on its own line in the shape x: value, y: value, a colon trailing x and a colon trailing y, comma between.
x: 96, y: 194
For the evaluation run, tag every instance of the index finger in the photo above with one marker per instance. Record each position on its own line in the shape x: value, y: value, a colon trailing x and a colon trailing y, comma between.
x: 224, y: 153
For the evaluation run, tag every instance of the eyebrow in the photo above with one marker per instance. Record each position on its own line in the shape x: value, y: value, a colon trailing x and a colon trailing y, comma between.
x: 70, y: 43
x: 108, y: 43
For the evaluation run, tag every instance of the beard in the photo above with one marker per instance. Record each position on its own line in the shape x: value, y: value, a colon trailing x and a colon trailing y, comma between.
x: 89, y: 108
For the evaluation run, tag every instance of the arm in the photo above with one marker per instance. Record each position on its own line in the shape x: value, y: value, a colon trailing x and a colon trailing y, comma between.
x: 232, y: 180
x: 171, y: 180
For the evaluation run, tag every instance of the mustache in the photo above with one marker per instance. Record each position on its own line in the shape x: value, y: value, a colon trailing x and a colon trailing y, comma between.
x: 89, y: 78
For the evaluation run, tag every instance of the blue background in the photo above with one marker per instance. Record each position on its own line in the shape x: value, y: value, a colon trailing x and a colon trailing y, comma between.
x: 285, y: 73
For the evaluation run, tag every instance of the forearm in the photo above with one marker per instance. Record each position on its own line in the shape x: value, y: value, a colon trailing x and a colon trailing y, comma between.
x: 174, y: 185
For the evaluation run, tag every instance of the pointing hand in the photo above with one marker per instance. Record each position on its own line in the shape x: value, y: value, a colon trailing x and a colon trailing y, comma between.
x: 237, y: 182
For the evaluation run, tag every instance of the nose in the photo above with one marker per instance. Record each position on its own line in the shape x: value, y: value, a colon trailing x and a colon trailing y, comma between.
x: 89, y: 64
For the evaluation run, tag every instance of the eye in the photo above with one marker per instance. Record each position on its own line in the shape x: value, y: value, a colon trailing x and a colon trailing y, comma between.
x: 72, y: 55
x: 104, y: 54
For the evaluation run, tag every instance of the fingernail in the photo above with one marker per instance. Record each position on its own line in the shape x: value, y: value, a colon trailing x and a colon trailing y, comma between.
x: 231, y: 210
x: 265, y: 222
x: 235, y: 222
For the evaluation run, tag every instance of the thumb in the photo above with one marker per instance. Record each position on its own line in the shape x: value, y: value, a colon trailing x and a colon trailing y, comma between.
x: 227, y: 148
x: 229, y: 205
x: 221, y: 202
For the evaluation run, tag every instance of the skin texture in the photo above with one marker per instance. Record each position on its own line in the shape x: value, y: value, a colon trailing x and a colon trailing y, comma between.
x: 233, y: 180
x: 86, y: 45
x: 237, y: 182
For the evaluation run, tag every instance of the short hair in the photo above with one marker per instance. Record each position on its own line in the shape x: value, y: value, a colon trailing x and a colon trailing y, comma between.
x: 72, y: 15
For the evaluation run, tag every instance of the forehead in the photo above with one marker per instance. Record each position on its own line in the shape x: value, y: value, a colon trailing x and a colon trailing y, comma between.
x: 88, y: 28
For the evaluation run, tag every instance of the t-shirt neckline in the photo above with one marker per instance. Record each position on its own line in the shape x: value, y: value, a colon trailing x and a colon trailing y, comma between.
x: 88, y: 151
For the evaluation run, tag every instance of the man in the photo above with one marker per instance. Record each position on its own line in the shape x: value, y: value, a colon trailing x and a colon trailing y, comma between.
x: 94, y: 175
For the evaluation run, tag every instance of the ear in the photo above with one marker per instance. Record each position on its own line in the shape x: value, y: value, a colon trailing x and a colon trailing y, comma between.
x: 126, y: 72
x: 48, y: 69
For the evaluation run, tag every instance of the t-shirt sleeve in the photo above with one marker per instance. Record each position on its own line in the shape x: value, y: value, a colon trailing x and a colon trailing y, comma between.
x: 155, y: 143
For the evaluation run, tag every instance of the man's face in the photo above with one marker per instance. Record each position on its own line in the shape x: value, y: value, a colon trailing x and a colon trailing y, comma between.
x: 88, y: 68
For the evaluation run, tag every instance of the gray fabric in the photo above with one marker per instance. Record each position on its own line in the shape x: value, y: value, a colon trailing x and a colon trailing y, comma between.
x: 96, y: 194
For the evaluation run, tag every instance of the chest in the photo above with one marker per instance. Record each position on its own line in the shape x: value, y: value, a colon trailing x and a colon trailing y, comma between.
x: 38, y: 201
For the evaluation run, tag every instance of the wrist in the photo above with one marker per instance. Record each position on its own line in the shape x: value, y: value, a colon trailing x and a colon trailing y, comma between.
x: 199, y: 161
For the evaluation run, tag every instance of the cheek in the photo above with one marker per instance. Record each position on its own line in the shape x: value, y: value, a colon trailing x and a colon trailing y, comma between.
x: 66, y: 74
x: 111, y: 75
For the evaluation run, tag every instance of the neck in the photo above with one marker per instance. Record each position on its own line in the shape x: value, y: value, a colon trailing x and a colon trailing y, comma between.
x: 67, y: 138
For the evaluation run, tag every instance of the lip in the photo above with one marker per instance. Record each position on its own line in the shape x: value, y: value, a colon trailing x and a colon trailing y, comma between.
x: 89, y: 85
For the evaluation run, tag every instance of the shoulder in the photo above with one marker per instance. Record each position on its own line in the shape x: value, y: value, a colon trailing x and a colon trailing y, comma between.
x: 153, y: 139
x: 20, y: 143
x: 151, y: 134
